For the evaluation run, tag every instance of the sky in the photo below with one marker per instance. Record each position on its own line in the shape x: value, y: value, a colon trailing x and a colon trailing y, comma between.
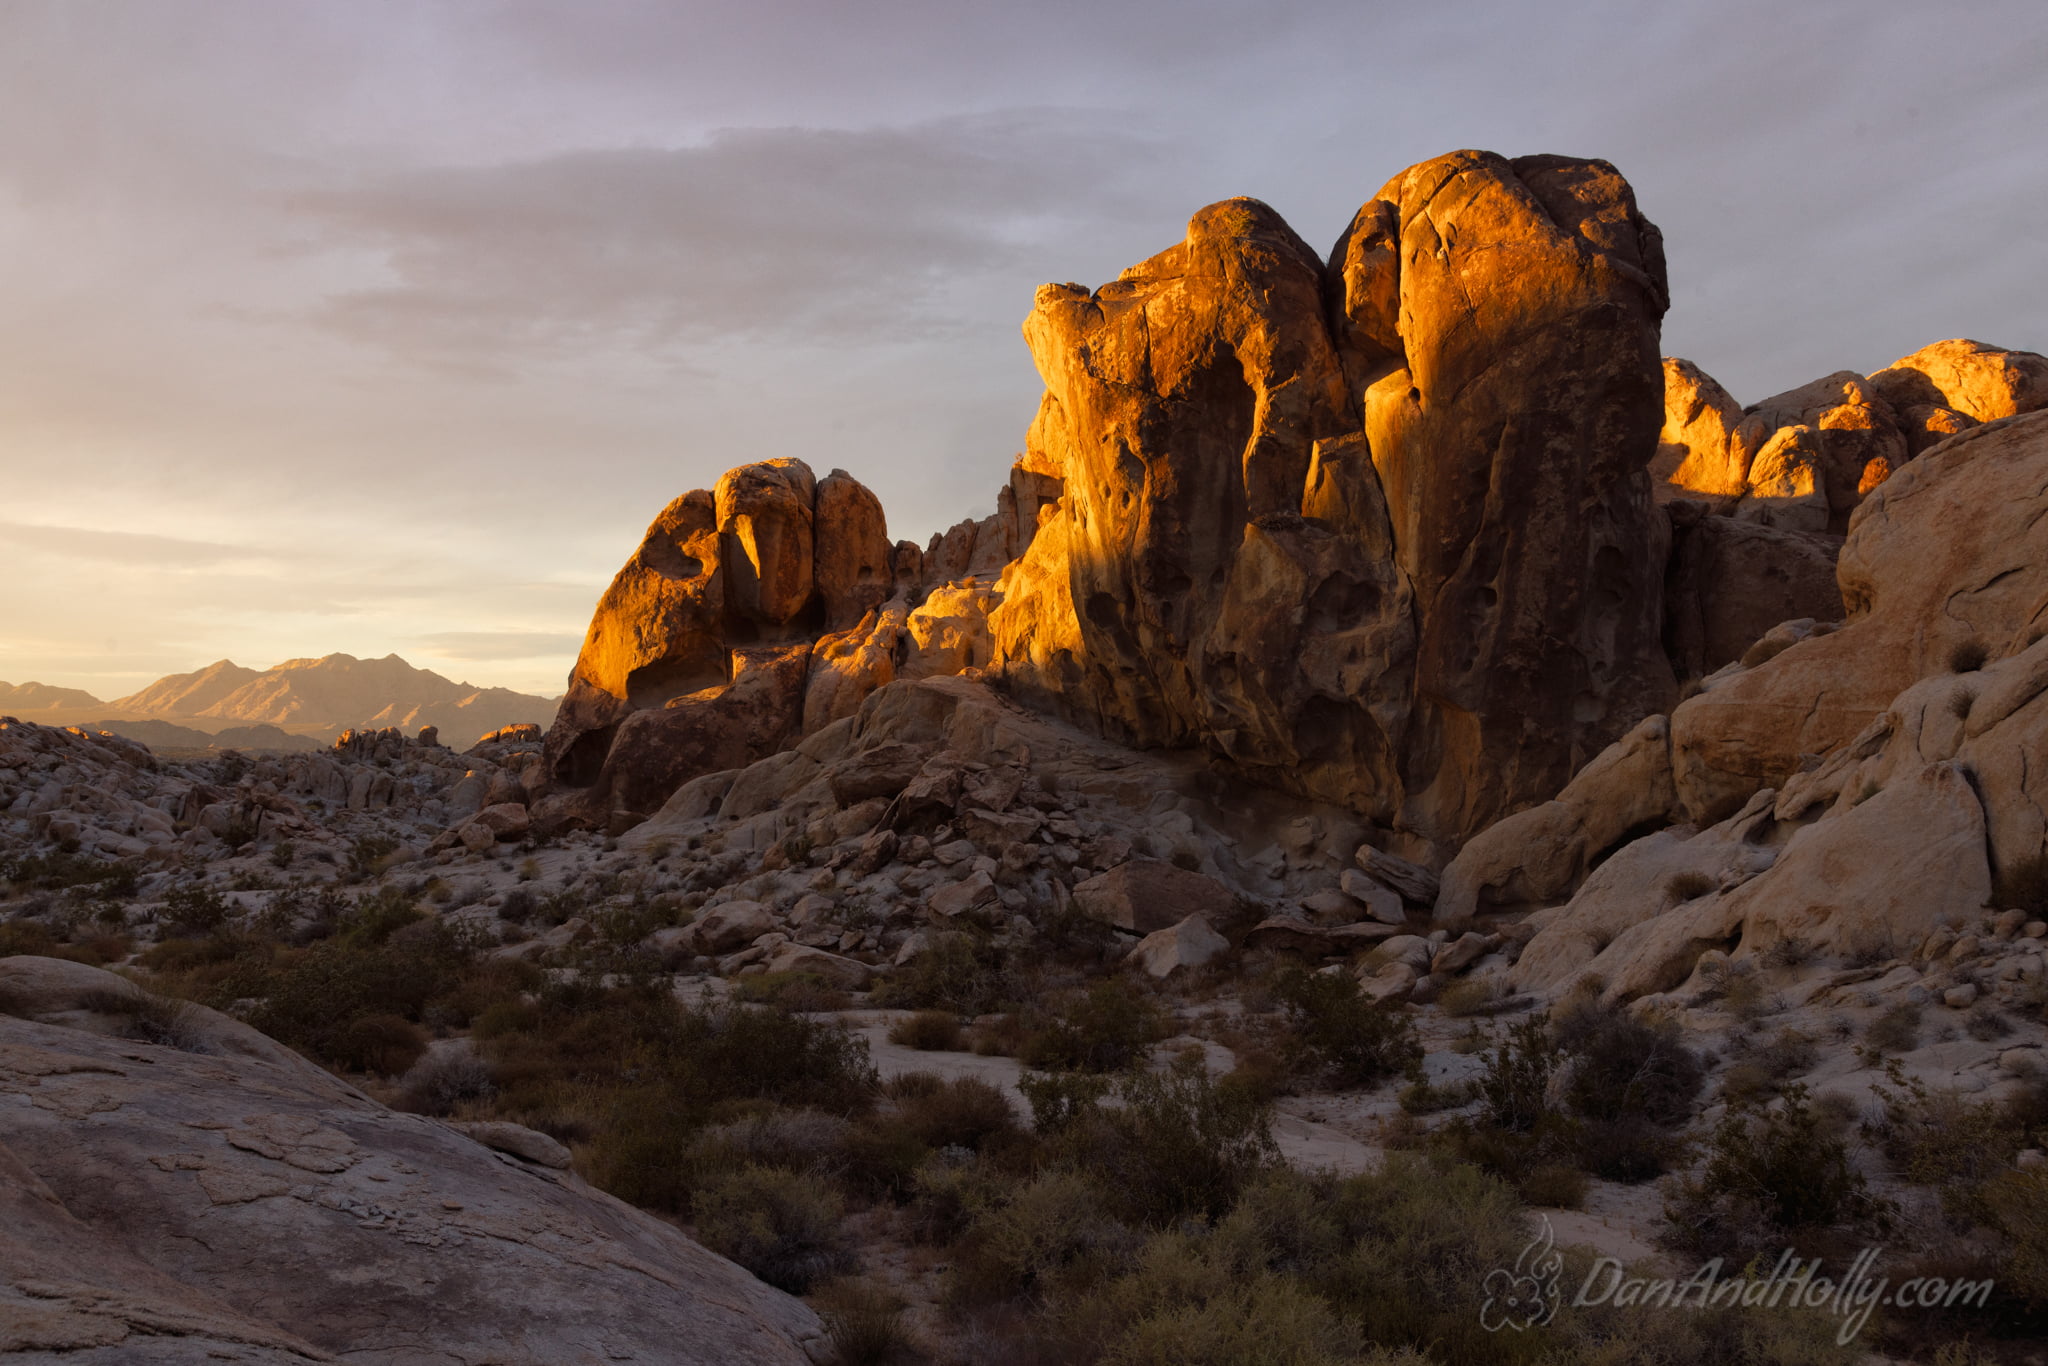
x: 387, y: 325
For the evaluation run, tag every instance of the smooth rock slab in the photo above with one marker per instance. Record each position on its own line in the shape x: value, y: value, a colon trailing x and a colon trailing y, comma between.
x: 164, y: 1186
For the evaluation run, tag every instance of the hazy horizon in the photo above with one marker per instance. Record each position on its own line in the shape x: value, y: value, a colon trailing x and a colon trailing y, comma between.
x: 377, y: 328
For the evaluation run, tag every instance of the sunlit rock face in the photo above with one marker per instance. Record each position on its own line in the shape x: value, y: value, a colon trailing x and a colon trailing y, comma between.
x: 700, y: 654
x: 1380, y: 531
x: 1219, y: 570
x: 1804, y: 459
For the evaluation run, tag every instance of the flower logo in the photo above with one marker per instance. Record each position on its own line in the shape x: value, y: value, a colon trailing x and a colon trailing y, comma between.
x: 1526, y: 1295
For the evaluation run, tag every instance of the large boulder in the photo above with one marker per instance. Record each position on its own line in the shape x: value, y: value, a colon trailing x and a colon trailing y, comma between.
x: 1511, y: 430
x: 1381, y: 533
x: 1694, y: 454
x: 657, y: 634
x: 1980, y: 382
x: 1144, y: 895
x: 214, y: 1201
x: 852, y: 564
x: 700, y: 656
x: 1849, y: 424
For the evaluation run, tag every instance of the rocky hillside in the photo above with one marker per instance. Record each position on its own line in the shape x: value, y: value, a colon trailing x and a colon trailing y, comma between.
x: 43, y: 697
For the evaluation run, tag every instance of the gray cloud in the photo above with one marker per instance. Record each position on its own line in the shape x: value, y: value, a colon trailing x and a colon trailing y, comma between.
x: 755, y: 234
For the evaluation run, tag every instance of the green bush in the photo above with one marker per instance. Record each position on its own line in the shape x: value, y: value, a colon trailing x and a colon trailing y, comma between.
x: 190, y: 912
x: 1341, y: 1032
x: 928, y: 1031
x: 1052, y: 1230
x: 1105, y: 1029
x: 1515, y: 1082
x: 384, y: 1044
x: 782, y: 1226
x: 865, y: 1321
x: 963, y: 1113
x: 1897, y: 1030
x: 1175, y: 1145
x: 1772, y: 1170
x: 960, y: 972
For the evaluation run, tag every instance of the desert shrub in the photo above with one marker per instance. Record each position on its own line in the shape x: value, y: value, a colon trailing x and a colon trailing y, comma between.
x: 962, y: 1113
x: 282, y: 853
x: 384, y: 1044
x: 1985, y: 1022
x: 960, y: 972
x: 1516, y: 1079
x: 193, y: 911
x: 1053, y: 1229
x: 311, y: 998
x: 733, y: 1051
x: 1409, y: 1246
x: 1105, y: 1029
x: 1760, y: 1069
x: 28, y: 937
x: 150, y: 1018
x: 1554, y: 1185
x: 783, y: 1226
x: 1774, y: 1170
x: 880, y: 1157
x: 1424, y: 1098
x: 1342, y: 1033
x: 1897, y: 1030
x: 864, y: 1319
x: 1789, y: 952
x: 378, y: 916
x: 929, y: 1031
x: 802, y: 992
x: 1183, y: 1305
x: 2018, y: 1206
x: 1058, y: 1099
x: 1176, y: 1145
x: 62, y: 871
x: 441, y: 1083
x: 366, y: 853
x: 1689, y: 886
x: 1598, y: 1090
x: 775, y: 1136
x: 1944, y: 1140
x: 1623, y: 1066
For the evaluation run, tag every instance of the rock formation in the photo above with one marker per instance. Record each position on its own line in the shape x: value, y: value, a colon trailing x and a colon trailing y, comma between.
x: 1856, y: 789
x: 1803, y: 459
x: 1345, y: 527
x: 1381, y: 531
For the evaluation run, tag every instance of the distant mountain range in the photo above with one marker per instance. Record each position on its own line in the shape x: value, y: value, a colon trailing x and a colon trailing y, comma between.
x: 313, y: 698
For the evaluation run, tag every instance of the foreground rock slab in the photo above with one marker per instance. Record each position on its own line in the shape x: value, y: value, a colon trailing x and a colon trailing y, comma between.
x: 174, y: 1182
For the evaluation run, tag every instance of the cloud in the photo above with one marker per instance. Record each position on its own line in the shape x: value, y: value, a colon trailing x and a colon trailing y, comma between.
x: 122, y: 547
x: 501, y: 645
x: 752, y: 234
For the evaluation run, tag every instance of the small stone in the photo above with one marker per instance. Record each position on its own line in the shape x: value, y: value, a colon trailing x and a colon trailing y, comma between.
x: 1960, y: 997
x: 2007, y: 924
x: 2035, y: 929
